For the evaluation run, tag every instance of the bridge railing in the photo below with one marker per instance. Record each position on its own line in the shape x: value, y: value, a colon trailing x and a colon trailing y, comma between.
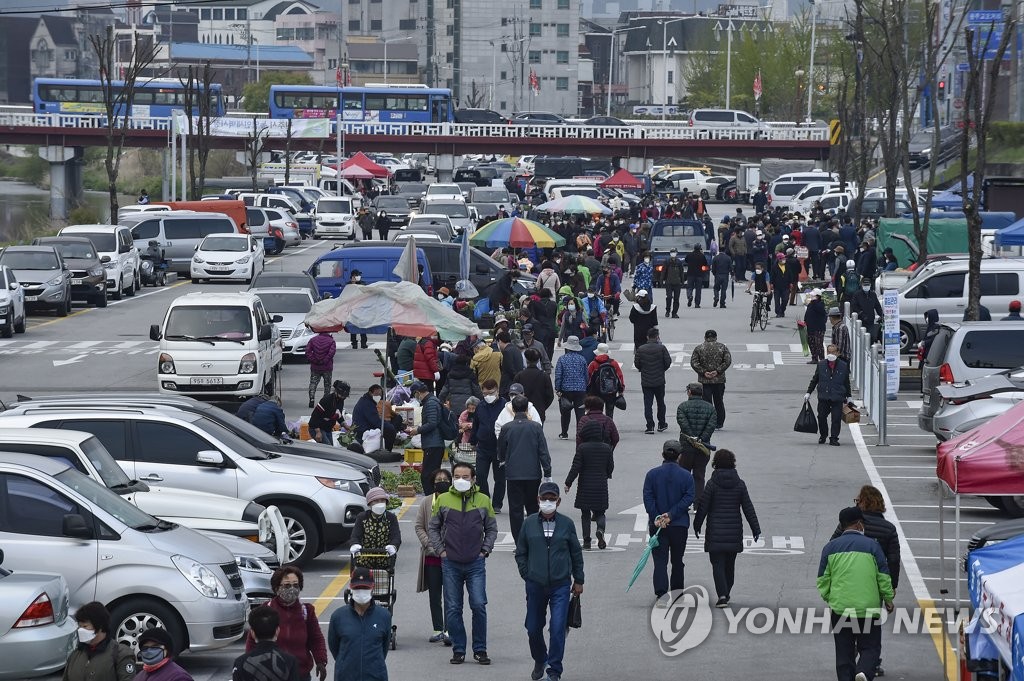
x: 786, y: 133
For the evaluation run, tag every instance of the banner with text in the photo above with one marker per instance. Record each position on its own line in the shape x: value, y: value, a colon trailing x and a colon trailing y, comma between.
x: 237, y: 126
x: 891, y: 341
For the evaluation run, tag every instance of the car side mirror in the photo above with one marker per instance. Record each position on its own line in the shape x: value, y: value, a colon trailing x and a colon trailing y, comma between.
x: 105, y: 259
x: 196, y: 249
x: 123, y: 249
x: 277, y: 319
x: 14, y: 286
x: 1, y: 556
x: 154, y: 332
x: 266, y: 332
x: 210, y: 457
x: 73, y: 525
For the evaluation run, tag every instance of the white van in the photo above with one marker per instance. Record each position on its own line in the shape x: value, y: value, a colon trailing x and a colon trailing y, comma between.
x: 334, y: 216
x: 724, y: 118
x: 552, y: 184
x: 782, y: 190
x: 179, y: 232
x: 116, y: 249
x: 805, y: 198
x: 217, y: 344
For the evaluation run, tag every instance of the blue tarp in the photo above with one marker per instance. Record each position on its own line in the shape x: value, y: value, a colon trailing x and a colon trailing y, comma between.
x: 1012, y: 235
x: 995, y: 580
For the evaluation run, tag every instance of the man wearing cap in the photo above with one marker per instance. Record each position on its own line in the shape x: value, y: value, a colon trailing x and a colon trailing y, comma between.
x: 507, y: 414
x: 854, y: 579
x: 696, y: 264
x: 832, y: 380
x: 865, y: 303
x: 672, y: 275
x: 328, y: 412
x: 359, y: 633
x: 550, y: 561
x: 782, y: 278
x: 1014, y: 311
x: 721, y: 269
x: 156, y: 652
x: 429, y: 432
x: 668, y: 493
x: 523, y: 454
x: 531, y: 342
x: 486, y: 363
x: 709, y: 361
x: 608, y: 384
x: 511, y: 361
x: 570, y: 383
x: 697, y: 421
x: 365, y: 221
x: 653, y: 361
x: 815, y: 318
x: 840, y: 334
x: 536, y: 384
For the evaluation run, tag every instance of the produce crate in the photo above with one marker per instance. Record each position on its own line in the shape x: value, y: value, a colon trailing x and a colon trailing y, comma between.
x: 418, y: 467
x: 413, y: 455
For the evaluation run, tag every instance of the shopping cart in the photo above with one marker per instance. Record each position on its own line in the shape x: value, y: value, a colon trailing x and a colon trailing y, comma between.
x: 382, y: 567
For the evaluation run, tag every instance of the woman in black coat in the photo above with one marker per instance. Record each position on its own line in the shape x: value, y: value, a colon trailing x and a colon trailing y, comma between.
x: 725, y: 496
x: 460, y: 386
x: 593, y: 465
x: 643, y: 316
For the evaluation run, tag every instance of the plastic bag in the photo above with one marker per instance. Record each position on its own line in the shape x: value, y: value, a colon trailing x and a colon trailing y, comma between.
x: 806, y: 421
x: 348, y: 420
x: 371, y: 440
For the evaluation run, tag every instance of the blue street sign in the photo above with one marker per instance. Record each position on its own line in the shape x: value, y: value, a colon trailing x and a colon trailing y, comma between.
x: 985, y: 16
x: 963, y: 67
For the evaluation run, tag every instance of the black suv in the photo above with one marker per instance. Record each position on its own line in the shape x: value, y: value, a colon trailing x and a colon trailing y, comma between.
x: 479, y: 116
x: 88, y: 278
x: 396, y: 207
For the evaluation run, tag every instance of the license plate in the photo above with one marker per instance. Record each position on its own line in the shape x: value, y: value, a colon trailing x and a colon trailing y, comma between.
x: 31, y: 299
x: 206, y: 380
x: 76, y: 281
x: 220, y: 269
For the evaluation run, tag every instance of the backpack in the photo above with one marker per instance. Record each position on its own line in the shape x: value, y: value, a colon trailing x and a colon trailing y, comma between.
x: 446, y: 425
x: 606, y: 381
x: 851, y: 285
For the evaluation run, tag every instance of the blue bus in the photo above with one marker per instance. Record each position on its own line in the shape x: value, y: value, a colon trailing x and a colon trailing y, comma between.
x: 384, y: 104
x: 156, y: 98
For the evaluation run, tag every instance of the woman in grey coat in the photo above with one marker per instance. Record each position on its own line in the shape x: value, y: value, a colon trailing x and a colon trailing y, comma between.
x: 460, y: 386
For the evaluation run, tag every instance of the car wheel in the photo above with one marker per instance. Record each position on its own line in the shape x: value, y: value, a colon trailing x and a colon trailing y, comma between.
x: 130, y: 618
x: 908, y: 337
x: 1014, y: 506
x: 7, y: 330
x: 19, y: 326
x: 995, y: 502
x: 130, y: 291
x: 64, y: 308
x: 303, y: 536
x: 704, y: 194
x: 118, y: 294
x: 136, y: 281
x: 101, y: 299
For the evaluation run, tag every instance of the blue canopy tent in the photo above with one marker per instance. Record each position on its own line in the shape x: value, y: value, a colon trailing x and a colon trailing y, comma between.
x: 995, y: 580
x: 1013, y: 235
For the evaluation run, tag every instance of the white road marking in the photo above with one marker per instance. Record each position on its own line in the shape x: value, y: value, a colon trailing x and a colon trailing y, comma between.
x: 39, y: 344
x: 72, y: 360
x: 777, y: 358
x: 81, y: 345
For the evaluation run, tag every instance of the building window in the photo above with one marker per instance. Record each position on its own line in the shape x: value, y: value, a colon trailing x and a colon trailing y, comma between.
x: 504, y: 47
x: 536, y: 4
x: 204, y: 14
x: 670, y: 102
x: 562, y: 57
x: 353, y: 2
x: 449, y: 57
x: 450, y: 4
x: 534, y: 30
x: 241, y: 14
x: 671, y: 75
x: 376, y: 24
x: 563, y: 4
x: 70, y: 55
x: 218, y: 14
x: 502, y: 105
x: 561, y: 83
x: 449, y: 29
x: 407, y: 24
x: 229, y: 14
x: 332, y: 63
x: 534, y: 56
x: 353, y: 24
x: 562, y: 30
x: 504, y: 75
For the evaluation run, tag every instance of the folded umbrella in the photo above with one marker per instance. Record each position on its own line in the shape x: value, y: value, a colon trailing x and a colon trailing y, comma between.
x: 652, y: 542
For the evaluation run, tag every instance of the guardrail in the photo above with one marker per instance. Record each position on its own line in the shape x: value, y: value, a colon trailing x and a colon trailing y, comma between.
x: 20, y: 118
x: 867, y: 373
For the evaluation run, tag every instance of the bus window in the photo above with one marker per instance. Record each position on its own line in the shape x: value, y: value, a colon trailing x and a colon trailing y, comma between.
x: 352, y: 101
x: 416, y: 103
x: 394, y: 103
x: 375, y: 103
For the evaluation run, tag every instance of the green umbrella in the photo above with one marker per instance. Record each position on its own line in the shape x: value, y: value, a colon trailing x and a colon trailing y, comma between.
x: 651, y: 543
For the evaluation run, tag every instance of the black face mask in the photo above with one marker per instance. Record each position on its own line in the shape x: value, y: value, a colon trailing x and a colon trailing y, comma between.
x: 442, y: 486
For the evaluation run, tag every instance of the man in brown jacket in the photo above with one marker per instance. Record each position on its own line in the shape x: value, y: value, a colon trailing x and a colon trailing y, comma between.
x: 709, y: 361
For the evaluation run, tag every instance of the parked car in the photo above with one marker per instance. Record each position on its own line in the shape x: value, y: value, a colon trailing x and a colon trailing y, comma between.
x: 725, y: 118
x: 538, y: 118
x: 291, y: 305
x: 37, y: 633
x: 288, y: 224
x: 965, y: 350
x: 412, y: 192
x: 441, y: 225
x: 179, y: 232
x: 228, y: 256
x: 976, y: 399
x: 271, y: 279
x: 479, y: 116
x: 605, y: 121
x: 117, y: 244
x: 164, y: 575
x: 12, y: 303
x: 88, y: 278
x: 396, y: 207
x: 318, y: 499
x: 44, y: 277
x: 443, y: 192
x: 458, y: 213
x: 993, y: 534
x: 498, y: 195
x: 708, y: 189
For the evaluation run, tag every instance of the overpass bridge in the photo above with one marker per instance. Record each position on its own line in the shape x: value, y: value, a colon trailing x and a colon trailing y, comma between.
x: 62, y: 137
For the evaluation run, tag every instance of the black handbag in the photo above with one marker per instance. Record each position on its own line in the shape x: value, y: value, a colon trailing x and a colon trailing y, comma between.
x: 620, y: 402
x: 565, y: 404
x: 575, y: 618
x: 805, y: 421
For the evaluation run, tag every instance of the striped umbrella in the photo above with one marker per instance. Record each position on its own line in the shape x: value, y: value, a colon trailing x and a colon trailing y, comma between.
x: 575, y: 204
x: 517, y: 233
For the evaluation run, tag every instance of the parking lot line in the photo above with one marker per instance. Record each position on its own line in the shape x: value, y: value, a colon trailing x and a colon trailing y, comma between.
x: 903, y: 456
x: 962, y: 522
x: 948, y: 508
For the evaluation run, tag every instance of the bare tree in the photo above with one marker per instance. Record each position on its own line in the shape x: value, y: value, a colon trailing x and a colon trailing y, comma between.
x: 118, y: 95
x: 475, y: 99
x: 979, y: 98
x: 254, y: 146
x: 198, y: 103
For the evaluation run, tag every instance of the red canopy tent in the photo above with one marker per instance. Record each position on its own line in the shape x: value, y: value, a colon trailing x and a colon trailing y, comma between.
x: 622, y: 179
x: 365, y: 162
x: 987, y: 461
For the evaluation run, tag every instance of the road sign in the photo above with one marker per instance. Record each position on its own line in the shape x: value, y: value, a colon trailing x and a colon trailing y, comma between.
x: 835, y: 130
x: 958, y: 103
x: 985, y: 16
x: 963, y: 68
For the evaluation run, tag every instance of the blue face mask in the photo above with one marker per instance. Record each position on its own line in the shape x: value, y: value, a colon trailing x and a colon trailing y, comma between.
x: 151, y: 655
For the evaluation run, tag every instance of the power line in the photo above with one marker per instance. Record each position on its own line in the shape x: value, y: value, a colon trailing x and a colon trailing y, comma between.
x: 113, y: 5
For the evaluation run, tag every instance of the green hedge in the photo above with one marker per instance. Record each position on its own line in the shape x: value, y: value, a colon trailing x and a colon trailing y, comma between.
x: 1006, y: 134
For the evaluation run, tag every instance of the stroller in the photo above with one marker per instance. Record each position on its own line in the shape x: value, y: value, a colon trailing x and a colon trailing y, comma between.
x: 382, y: 567
x: 153, y: 265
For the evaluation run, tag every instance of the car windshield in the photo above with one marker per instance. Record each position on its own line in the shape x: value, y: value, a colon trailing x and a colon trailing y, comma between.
x: 392, y: 203
x: 102, y: 241
x: 75, y: 249
x: 682, y: 244
x: 490, y: 195
x: 209, y: 322
x: 225, y: 243
x: 443, y: 189
x: 29, y: 260
x: 922, y: 138
x: 229, y: 439
x: 282, y: 280
x: 110, y: 502
x: 334, y: 206
x: 284, y: 303
x: 452, y: 210
x: 110, y: 473
x: 587, y: 192
x: 412, y: 188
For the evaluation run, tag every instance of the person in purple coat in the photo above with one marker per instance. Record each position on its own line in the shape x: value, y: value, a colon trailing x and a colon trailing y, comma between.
x: 156, y: 652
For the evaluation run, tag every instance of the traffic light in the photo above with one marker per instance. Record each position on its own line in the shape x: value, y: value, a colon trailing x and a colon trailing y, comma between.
x: 942, y: 89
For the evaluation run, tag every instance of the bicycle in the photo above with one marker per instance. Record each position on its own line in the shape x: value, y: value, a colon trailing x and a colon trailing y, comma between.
x: 608, y: 328
x: 759, y: 311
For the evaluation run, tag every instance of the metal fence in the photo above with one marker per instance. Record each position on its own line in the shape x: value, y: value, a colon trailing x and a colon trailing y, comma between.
x: 867, y: 373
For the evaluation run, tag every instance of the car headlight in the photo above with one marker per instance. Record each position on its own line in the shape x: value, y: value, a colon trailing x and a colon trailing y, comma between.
x: 165, y: 364
x: 3, y: 308
x: 252, y: 564
x: 56, y: 281
x: 302, y: 330
x: 343, y: 485
x: 242, y: 261
x: 247, y: 365
x: 925, y: 152
x: 196, y: 259
x: 112, y: 265
x: 94, y: 271
x: 201, y: 577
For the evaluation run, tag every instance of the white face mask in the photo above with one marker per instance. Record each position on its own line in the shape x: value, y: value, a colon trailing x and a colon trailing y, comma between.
x: 548, y: 507
x: 647, y: 260
x: 376, y: 398
x: 440, y: 296
x: 85, y: 635
x: 462, y: 485
x: 357, y: 278
x: 490, y: 399
x: 362, y: 596
x: 865, y: 288
x: 378, y: 508
x: 831, y: 358
x: 571, y: 308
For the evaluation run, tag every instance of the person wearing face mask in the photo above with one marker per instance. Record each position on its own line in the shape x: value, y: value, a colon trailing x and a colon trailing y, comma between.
x: 327, y: 412
x: 266, y: 661
x: 832, y: 379
x: 643, y: 315
x: 643, y: 275
x: 98, y: 657
x: 359, y: 634
x: 462, y: 530
x: 430, y: 578
x: 484, y: 436
x: 365, y: 416
x: 536, y: 384
x: 550, y: 561
x: 865, y: 303
x: 672, y: 275
x: 383, y: 225
x: 299, y: 633
x: 356, y: 278
x: 156, y: 652
x: 376, y: 531
x: 444, y: 297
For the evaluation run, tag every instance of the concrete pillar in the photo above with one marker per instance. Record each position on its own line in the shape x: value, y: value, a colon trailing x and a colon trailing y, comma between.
x: 60, y: 191
x: 635, y: 165
x: 445, y: 166
x: 165, y: 186
x: 75, y: 185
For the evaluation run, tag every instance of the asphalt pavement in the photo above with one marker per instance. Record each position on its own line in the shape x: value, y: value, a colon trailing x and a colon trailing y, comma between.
x: 796, y: 485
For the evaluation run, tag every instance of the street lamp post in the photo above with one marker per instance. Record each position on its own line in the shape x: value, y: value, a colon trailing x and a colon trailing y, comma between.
x: 799, y: 73
x: 611, y: 64
x: 810, y: 71
x: 386, y: 41
x: 664, y: 47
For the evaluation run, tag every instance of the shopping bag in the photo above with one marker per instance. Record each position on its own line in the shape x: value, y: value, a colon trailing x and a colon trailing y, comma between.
x: 805, y: 421
x: 850, y: 414
x: 620, y: 402
x: 575, y: 618
x: 371, y: 440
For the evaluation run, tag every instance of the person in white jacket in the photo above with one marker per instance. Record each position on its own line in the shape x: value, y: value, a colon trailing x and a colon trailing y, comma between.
x: 507, y: 414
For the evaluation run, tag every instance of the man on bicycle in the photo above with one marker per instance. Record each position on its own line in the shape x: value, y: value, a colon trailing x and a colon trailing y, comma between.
x: 761, y: 282
x: 609, y: 288
x: 594, y: 312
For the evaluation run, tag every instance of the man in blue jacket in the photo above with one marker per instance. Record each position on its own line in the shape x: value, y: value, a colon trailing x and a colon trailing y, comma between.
x: 359, y: 633
x: 486, y: 442
x: 269, y: 417
x: 550, y: 558
x: 668, y: 493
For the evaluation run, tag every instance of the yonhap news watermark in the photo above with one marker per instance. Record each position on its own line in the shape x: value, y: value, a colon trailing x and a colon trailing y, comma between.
x: 683, y: 619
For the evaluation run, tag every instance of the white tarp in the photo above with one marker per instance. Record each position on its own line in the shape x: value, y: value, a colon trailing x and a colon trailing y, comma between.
x: 239, y: 126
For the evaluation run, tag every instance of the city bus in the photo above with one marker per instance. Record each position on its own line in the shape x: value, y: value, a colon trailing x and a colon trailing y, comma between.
x: 156, y: 98
x: 376, y: 104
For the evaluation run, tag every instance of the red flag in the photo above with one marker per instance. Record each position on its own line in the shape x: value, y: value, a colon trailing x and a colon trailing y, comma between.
x: 338, y: 78
x: 757, y: 86
x: 534, y: 83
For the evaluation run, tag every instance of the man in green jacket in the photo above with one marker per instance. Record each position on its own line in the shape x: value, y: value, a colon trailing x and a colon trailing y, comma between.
x: 853, y: 578
x: 550, y: 559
